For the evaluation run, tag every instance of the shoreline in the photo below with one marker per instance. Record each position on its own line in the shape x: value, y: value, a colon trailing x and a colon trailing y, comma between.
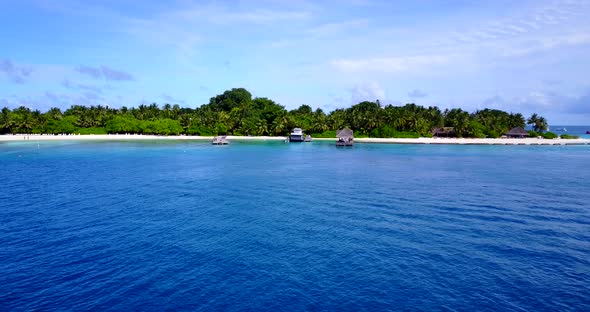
x: 137, y: 137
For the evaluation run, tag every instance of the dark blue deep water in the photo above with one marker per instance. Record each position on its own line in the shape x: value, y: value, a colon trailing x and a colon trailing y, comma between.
x: 272, y: 226
x: 572, y: 130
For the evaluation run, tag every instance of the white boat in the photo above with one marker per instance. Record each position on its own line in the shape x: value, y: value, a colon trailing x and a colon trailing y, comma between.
x: 220, y: 140
x: 296, y: 135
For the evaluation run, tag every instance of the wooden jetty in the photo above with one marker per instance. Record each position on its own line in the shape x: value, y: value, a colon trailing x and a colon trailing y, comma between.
x: 220, y: 140
x: 344, y: 137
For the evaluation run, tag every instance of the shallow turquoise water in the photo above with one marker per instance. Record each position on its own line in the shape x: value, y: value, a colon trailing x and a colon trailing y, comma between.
x: 274, y: 226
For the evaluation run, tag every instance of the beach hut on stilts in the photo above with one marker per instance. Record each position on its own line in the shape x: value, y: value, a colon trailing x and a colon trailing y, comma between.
x: 344, y: 137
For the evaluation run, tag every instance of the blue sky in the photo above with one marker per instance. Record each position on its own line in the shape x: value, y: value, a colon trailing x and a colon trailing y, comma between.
x: 521, y: 56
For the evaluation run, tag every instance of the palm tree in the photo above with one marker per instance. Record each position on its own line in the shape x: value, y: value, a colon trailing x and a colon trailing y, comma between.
x: 399, y: 123
x: 166, y: 110
x: 517, y: 120
x: 152, y: 111
x: 6, y: 120
x: 232, y: 119
x: 186, y: 121
x: 282, y: 125
x: 99, y: 116
x: 175, y: 111
x: 319, y: 124
x: 421, y: 125
x: 435, y: 117
x: 85, y: 121
x: 459, y: 119
x: 533, y: 120
x: 26, y: 123
x: 539, y: 123
x: 261, y: 127
x: 55, y: 113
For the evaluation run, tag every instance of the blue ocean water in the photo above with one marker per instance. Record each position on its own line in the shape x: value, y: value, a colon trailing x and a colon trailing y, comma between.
x: 572, y: 130
x: 288, y: 227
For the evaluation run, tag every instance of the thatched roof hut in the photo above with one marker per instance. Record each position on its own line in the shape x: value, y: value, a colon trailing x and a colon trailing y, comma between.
x: 517, y: 132
x: 444, y: 132
x: 344, y: 133
x: 344, y: 137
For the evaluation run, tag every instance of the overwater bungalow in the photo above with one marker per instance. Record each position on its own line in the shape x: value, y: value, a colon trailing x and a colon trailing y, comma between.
x: 344, y: 137
x: 517, y: 132
x: 444, y: 132
x: 220, y: 140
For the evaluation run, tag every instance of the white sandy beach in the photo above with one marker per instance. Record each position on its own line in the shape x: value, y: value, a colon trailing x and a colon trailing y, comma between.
x: 472, y: 141
x: 132, y: 137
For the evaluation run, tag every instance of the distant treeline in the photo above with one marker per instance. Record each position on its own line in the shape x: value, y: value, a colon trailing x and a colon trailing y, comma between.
x: 235, y: 112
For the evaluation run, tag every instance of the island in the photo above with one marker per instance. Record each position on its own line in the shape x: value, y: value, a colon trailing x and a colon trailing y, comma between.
x: 237, y: 115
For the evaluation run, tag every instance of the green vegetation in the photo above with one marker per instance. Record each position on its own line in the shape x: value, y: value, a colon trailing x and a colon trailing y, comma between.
x: 235, y: 112
x: 390, y: 132
x: 91, y: 131
x: 545, y: 135
x: 549, y: 135
x: 539, y: 123
x: 569, y: 137
x: 326, y: 134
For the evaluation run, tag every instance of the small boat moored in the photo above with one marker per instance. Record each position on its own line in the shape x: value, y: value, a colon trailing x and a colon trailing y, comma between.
x: 296, y: 135
x: 307, y: 138
x: 220, y: 140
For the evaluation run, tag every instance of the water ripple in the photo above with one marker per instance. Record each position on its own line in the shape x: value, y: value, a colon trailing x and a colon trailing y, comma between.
x: 290, y: 227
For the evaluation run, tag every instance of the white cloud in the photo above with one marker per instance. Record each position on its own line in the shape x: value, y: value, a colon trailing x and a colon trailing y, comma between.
x: 15, y: 73
x: 331, y: 29
x: 171, y: 100
x: 547, y: 43
x: 48, y: 99
x: 541, y: 102
x: 367, y: 91
x: 80, y: 86
x: 397, y: 64
x: 548, y: 25
x: 258, y: 16
x: 417, y: 94
x: 185, y: 28
x: 104, y: 72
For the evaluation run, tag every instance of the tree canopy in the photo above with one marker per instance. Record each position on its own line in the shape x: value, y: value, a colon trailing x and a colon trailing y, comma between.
x: 236, y: 112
